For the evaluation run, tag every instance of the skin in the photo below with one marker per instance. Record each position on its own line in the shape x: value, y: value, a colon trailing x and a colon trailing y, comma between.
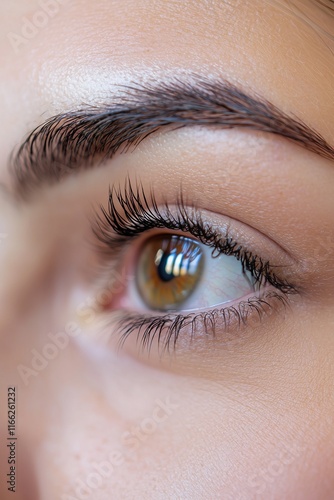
x: 250, y: 412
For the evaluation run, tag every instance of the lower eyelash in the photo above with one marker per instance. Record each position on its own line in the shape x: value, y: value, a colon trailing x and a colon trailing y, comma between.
x: 167, y: 328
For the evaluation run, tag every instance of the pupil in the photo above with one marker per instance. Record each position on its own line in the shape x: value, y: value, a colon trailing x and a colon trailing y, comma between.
x: 166, y: 267
x: 168, y: 270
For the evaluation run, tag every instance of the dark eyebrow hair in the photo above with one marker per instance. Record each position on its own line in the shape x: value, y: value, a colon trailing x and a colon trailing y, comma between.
x: 328, y: 5
x: 87, y: 137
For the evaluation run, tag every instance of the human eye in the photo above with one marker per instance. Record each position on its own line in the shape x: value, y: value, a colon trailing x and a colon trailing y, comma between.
x: 186, y: 272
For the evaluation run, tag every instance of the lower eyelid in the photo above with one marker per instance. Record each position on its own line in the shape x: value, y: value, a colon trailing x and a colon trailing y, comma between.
x: 233, y: 319
x: 168, y: 330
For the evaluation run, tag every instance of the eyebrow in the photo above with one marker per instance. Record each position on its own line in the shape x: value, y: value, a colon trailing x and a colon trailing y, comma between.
x: 88, y: 137
x: 329, y: 5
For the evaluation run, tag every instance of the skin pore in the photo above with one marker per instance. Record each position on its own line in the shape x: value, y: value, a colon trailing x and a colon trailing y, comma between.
x: 245, y: 413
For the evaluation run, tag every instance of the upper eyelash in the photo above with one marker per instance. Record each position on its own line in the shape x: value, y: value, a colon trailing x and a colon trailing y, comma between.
x: 140, y: 214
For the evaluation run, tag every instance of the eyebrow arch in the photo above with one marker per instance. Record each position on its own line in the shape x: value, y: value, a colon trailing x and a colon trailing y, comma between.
x: 82, y: 139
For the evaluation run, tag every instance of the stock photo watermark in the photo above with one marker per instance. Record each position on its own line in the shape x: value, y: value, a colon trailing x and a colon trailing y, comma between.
x: 283, y: 460
x: 40, y: 359
x: 31, y: 26
x: 87, y: 312
x: 132, y: 439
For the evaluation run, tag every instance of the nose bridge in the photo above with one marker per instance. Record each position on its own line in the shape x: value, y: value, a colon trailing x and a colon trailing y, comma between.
x: 8, y: 216
x: 39, y: 341
x: 35, y: 239
x: 23, y: 260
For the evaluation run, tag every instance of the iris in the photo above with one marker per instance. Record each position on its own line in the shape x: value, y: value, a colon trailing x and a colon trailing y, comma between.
x: 168, y: 271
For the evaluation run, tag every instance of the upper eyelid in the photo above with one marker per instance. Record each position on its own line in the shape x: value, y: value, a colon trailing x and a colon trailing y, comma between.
x: 74, y: 140
x: 137, y: 214
x: 128, y: 194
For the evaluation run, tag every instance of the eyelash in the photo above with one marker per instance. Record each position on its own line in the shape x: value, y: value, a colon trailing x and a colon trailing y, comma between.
x: 115, y: 227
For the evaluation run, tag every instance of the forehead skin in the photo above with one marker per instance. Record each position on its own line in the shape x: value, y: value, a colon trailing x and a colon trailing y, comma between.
x: 82, y: 54
x: 84, y: 51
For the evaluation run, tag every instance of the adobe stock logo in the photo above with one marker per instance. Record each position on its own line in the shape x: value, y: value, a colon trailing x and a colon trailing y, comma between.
x: 32, y: 26
x: 101, y: 472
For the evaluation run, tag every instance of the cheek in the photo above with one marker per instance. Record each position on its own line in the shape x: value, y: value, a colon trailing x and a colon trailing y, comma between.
x: 109, y: 421
x: 268, y: 434
x: 251, y: 444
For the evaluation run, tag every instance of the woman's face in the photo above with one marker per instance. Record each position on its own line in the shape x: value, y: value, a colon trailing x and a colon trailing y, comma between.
x: 144, y: 365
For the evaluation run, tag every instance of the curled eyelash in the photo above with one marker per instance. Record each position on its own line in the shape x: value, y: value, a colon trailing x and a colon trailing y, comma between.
x: 131, y: 213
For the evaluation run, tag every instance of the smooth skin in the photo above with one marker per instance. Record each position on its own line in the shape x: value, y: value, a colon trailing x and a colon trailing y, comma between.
x: 248, y: 415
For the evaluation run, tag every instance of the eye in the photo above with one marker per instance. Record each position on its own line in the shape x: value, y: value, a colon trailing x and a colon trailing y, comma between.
x: 175, y: 272
x: 184, y: 271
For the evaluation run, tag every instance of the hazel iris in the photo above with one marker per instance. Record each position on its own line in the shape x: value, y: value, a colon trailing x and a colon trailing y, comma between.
x: 168, y: 271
